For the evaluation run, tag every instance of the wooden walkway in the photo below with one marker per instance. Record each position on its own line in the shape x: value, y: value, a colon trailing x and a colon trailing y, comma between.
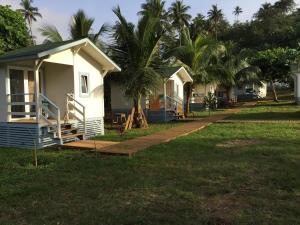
x: 131, y: 147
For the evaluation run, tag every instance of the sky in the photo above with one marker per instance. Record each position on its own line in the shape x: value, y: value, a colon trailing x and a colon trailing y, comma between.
x: 59, y: 12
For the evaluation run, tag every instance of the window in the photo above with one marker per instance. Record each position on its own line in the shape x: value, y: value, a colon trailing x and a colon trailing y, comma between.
x: 84, y: 84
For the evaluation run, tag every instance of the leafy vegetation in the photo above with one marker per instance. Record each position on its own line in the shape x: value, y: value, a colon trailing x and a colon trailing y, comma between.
x: 13, y: 31
x: 80, y: 27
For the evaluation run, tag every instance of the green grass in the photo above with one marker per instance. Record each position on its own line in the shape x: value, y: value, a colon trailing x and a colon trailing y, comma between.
x: 270, y: 110
x: 114, y: 135
x: 205, y: 114
x: 195, y: 179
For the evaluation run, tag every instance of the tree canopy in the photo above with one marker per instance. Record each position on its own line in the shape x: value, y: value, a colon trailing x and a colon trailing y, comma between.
x: 13, y: 31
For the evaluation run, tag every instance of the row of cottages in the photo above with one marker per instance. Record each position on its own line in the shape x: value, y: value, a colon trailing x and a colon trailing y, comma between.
x: 164, y: 104
x: 52, y: 93
x: 239, y: 93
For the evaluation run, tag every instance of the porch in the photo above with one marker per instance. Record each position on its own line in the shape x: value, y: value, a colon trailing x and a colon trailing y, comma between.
x: 166, y: 104
x: 42, y: 97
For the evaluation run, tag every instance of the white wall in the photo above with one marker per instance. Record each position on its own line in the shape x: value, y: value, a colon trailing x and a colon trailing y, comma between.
x: 177, y: 81
x: 94, y: 102
x: 118, y: 99
x: 58, y: 81
x: 200, y: 91
x: 65, y: 57
x: 3, y: 102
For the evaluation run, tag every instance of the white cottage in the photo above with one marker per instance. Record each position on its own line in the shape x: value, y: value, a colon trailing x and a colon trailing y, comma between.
x: 164, y: 104
x: 52, y: 93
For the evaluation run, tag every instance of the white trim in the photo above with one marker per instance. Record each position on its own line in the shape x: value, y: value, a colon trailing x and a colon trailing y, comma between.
x: 76, y: 43
x: 104, y: 55
x: 46, y: 54
x: 189, y: 78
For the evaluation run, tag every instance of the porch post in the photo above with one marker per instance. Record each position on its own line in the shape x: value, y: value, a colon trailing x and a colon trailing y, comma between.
x: 36, y: 91
x: 8, y: 94
x: 165, y: 100
x: 37, y: 65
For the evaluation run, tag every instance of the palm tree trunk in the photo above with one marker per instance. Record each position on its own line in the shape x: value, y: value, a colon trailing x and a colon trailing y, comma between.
x: 138, y: 120
x: 30, y: 30
x: 188, y: 99
x: 275, y: 97
x: 228, y: 89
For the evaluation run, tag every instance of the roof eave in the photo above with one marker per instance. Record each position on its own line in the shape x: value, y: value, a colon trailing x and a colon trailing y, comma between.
x: 17, y: 59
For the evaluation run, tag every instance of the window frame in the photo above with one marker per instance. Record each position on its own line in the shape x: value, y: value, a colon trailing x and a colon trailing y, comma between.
x: 81, y: 74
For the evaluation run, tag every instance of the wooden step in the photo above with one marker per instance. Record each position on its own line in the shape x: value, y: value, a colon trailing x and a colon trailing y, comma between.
x: 65, y: 130
x: 71, y: 136
x: 66, y: 126
x: 69, y: 130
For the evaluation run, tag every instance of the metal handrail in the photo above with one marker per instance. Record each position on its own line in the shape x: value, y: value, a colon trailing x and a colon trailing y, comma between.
x: 54, y: 114
x: 174, y: 102
x: 70, y: 100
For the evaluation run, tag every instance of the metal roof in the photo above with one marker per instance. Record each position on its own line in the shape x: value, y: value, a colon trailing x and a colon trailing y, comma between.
x: 45, y: 50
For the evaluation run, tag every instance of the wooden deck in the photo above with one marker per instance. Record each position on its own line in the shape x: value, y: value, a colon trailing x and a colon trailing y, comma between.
x: 91, y: 145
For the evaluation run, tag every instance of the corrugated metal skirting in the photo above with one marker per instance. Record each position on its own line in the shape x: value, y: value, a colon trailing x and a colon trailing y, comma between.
x: 19, y: 135
x: 94, y: 127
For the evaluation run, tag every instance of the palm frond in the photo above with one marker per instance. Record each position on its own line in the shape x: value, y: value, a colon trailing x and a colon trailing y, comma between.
x: 51, y: 33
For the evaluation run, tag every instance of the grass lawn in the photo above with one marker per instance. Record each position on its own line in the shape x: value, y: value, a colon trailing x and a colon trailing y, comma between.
x: 114, y: 135
x: 205, y: 114
x: 225, y: 174
x: 270, y: 110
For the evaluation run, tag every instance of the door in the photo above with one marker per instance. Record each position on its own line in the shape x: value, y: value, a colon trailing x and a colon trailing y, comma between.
x: 17, y: 90
x: 31, y: 90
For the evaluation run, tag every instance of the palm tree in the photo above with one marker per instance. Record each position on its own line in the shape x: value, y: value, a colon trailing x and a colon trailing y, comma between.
x: 51, y: 33
x: 155, y: 8
x: 233, y: 70
x: 30, y: 13
x: 237, y: 11
x: 80, y: 27
x: 135, y: 49
x: 198, y: 26
x: 178, y: 13
x: 197, y: 55
x: 215, y: 15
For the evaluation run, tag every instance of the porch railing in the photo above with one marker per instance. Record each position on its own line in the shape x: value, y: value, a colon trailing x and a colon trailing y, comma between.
x: 21, y: 99
x: 75, y: 110
x: 174, y: 104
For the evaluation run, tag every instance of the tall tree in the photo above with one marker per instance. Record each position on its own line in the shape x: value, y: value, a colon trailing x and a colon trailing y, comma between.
x: 80, y: 27
x: 197, y: 55
x: 179, y: 15
x: 136, y: 50
x: 199, y: 26
x: 14, y: 33
x: 30, y: 13
x: 233, y: 70
x: 237, y: 11
x: 275, y: 65
x: 215, y: 16
x: 154, y: 8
